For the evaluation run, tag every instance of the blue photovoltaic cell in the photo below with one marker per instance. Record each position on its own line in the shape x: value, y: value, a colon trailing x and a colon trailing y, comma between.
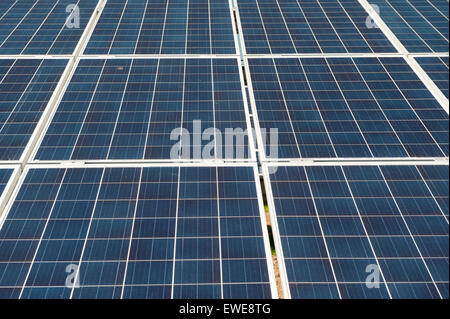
x: 163, y: 27
x: 127, y: 109
x: 338, y: 224
x: 347, y: 107
x: 420, y: 25
x: 309, y: 26
x: 135, y: 233
x: 437, y: 70
x: 39, y: 26
x: 5, y: 174
x: 26, y: 86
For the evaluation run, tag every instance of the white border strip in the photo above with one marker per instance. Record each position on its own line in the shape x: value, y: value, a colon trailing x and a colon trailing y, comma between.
x: 338, y: 55
x: 441, y: 162
x: 158, y: 56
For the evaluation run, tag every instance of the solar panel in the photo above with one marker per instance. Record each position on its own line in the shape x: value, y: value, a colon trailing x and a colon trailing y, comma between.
x: 133, y: 232
x: 26, y: 86
x: 420, y: 25
x: 311, y: 26
x: 39, y: 27
x: 164, y: 27
x: 437, y: 70
x: 347, y: 107
x: 337, y: 225
x: 129, y: 108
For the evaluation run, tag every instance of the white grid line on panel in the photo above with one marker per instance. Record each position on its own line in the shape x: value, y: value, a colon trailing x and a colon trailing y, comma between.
x: 219, y: 234
x: 175, y: 235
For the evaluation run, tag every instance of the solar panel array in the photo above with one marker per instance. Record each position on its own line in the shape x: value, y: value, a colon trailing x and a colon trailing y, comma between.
x: 98, y: 100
